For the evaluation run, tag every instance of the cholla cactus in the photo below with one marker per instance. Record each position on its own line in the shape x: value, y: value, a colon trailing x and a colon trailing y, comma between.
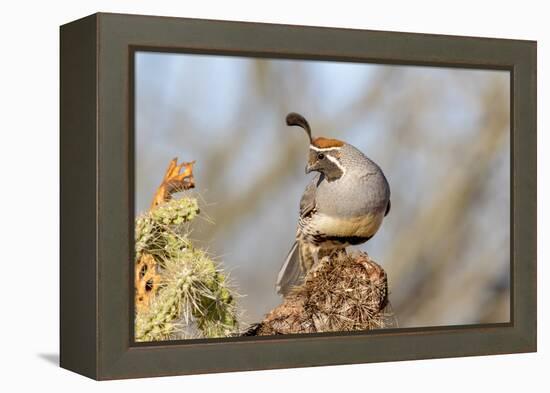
x: 157, y: 230
x: 342, y: 293
x: 192, y: 299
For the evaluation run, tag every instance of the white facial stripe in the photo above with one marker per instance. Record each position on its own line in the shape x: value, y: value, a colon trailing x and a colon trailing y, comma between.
x: 324, y: 148
x: 337, y: 163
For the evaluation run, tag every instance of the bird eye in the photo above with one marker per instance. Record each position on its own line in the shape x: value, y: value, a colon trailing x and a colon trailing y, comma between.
x: 320, y: 156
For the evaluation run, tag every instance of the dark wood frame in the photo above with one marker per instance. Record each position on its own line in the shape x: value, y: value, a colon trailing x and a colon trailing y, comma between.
x: 97, y: 195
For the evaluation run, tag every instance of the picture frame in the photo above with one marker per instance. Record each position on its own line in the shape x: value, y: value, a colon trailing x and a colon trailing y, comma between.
x: 97, y: 203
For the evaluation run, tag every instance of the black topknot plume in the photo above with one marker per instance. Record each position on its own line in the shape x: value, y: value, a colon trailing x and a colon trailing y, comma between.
x: 295, y: 119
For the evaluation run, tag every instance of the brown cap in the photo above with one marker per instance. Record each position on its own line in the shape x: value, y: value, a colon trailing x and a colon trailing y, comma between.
x: 326, y: 143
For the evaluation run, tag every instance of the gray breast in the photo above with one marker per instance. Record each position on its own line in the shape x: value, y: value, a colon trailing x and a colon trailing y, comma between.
x: 363, y: 189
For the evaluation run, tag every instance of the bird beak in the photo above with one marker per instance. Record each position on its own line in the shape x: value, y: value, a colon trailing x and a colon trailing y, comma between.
x: 308, y: 168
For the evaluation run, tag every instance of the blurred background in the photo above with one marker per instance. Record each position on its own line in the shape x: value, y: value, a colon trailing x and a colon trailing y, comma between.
x: 441, y: 136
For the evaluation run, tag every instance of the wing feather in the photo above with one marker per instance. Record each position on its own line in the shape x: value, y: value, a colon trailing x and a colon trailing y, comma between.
x: 307, y: 203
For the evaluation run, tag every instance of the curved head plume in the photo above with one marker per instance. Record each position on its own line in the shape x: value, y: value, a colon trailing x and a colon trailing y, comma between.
x: 295, y: 119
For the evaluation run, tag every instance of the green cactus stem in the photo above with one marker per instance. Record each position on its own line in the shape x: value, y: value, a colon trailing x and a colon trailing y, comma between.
x: 194, y: 299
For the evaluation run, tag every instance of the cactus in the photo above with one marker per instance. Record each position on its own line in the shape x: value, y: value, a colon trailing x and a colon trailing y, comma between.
x: 157, y: 230
x: 342, y: 293
x: 193, y: 298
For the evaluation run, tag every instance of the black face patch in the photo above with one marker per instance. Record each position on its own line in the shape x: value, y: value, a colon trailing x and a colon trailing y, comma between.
x: 326, y: 162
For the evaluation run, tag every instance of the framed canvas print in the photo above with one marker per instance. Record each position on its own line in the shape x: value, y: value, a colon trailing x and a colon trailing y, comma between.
x: 241, y: 196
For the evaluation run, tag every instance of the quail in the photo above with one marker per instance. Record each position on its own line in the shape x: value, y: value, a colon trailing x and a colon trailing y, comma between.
x: 343, y: 205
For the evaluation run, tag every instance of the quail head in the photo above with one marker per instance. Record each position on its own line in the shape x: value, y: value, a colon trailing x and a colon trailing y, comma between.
x: 343, y: 205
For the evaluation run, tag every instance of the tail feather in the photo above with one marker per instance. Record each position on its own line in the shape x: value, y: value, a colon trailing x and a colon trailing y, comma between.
x: 291, y: 271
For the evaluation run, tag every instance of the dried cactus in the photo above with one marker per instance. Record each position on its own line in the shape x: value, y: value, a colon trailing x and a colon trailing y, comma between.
x: 178, y: 177
x: 343, y: 293
x: 192, y: 298
x: 146, y: 281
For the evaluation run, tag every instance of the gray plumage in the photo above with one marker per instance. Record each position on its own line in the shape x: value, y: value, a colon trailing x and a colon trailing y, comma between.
x: 343, y: 205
